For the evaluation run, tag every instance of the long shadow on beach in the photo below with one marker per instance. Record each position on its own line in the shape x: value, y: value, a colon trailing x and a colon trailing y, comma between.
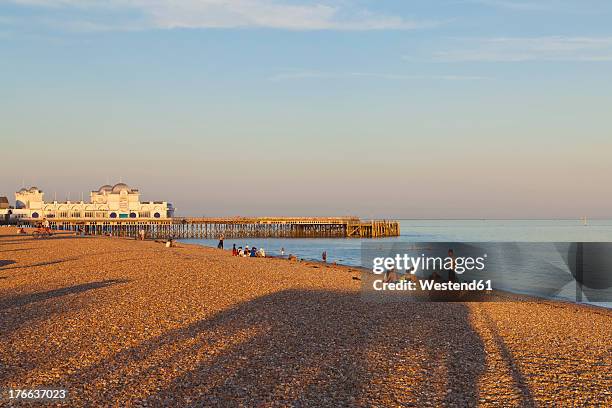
x: 519, y: 379
x: 17, y: 311
x: 23, y: 310
x: 17, y: 249
x: 303, y: 348
x: 56, y: 261
x: 30, y: 239
x: 22, y: 300
x: 6, y: 262
x: 62, y: 260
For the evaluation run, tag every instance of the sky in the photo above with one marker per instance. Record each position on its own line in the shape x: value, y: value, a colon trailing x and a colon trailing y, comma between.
x: 374, y: 108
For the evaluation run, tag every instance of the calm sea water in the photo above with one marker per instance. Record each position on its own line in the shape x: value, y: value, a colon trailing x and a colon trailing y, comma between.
x: 348, y: 251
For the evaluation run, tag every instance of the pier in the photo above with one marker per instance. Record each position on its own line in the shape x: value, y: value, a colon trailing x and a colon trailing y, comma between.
x: 232, y: 227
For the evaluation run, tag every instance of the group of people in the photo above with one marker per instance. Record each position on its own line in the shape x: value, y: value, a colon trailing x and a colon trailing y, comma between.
x: 246, y: 252
x: 42, y: 227
x: 391, y: 275
x: 452, y: 275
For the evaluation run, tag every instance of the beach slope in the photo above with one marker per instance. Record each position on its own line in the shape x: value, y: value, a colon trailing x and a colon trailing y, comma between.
x: 129, y: 323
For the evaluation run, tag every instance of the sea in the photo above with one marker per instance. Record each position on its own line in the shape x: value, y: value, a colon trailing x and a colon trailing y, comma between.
x: 348, y: 251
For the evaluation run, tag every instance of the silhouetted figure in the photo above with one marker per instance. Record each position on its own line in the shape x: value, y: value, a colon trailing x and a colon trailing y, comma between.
x: 390, y: 276
x: 452, y: 276
x: 435, y: 276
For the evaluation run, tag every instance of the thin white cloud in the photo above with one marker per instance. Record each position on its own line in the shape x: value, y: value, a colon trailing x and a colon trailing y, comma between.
x: 516, y: 5
x: 302, y: 75
x: 521, y: 49
x: 279, y: 14
x: 564, y: 6
x: 544, y: 8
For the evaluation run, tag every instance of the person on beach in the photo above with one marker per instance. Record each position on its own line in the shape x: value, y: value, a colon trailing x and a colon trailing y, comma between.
x: 283, y: 251
x: 46, y: 226
x: 324, y: 256
x: 240, y: 252
x: 435, y: 276
x: 390, y: 276
x: 261, y: 253
x: 234, y: 250
x: 253, y: 252
x: 247, y: 251
x: 452, y: 277
x: 220, y: 245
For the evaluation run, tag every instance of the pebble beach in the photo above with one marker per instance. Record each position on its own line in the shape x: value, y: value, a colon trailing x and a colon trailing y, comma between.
x: 120, y: 322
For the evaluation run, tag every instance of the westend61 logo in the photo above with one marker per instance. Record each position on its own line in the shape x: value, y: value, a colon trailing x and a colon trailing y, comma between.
x: 424, y: 263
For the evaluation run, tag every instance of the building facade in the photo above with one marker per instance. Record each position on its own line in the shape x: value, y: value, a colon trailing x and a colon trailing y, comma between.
x: 108, y: 202
x: 5, y: 210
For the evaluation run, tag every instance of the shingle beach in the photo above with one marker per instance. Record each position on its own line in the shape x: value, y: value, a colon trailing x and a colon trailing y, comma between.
x: 120, y: 322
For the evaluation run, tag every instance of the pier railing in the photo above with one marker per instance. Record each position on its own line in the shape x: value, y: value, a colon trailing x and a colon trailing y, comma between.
x: 230, y: 227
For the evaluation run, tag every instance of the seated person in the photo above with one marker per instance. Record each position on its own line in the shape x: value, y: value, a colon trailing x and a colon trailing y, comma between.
x: 435, y: 276
x: 390, y: 276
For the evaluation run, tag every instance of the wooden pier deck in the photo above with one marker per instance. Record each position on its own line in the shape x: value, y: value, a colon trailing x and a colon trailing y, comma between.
x: 232, y: 227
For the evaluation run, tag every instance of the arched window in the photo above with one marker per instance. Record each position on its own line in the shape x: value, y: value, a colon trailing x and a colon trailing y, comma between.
x: 34, y: 215
x: 132, y: 215
x: 156, y: 215
x: 113, y: 215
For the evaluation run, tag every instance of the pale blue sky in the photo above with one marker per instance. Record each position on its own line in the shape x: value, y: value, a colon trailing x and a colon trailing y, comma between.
x: 378, y: 108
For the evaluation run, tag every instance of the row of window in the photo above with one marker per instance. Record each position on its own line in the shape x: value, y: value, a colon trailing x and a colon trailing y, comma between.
x: 143, y: 214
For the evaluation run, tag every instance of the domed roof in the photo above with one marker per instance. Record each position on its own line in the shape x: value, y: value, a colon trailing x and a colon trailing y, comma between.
x: 33, y: 189
x: 117, y: 188
x: 104, y: 188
